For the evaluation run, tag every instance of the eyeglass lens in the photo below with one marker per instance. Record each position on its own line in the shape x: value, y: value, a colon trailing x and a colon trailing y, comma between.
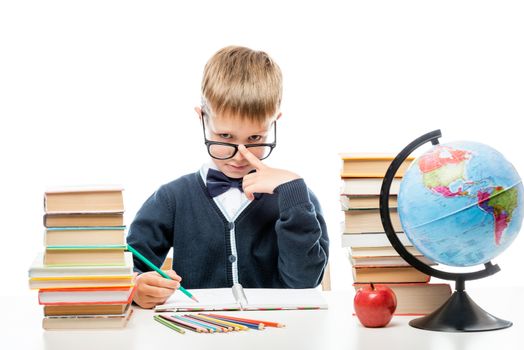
x: 227, y: 151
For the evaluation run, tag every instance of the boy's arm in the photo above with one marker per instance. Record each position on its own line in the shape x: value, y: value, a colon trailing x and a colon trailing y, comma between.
x: 151, y: 232
x: 303, y: 241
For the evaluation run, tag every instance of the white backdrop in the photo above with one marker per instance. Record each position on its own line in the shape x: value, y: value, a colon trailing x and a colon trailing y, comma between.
x: 103, y: 92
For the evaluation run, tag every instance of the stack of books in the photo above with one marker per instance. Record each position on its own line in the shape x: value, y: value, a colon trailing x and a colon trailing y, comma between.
x: 371, y: 255
x: 84, y: 277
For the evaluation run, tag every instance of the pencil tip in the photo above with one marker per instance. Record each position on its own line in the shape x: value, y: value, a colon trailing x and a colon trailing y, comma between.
x: 195, y: 299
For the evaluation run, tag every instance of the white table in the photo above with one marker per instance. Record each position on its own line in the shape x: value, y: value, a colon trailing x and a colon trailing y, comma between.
x: 335, y: 328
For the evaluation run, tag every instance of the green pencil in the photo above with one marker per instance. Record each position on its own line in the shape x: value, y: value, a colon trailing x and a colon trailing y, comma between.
x: 162, y: 273
x: 169, y: 324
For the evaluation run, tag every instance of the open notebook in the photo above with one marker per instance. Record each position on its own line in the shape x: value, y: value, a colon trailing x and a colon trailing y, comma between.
x: 238, y: 298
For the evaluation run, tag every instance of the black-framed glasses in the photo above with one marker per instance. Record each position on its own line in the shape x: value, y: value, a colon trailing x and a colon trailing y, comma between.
x: 226, y: 150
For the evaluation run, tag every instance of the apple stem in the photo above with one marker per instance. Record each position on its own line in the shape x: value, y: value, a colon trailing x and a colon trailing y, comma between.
x: 372, y: 286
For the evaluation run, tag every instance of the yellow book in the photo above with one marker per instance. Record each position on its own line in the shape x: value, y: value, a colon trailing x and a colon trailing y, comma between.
x: 80, y: 282
x: 368, y: 220
x: 370, y: 164
x: 85, y: 236
x: 87, y: 199
x: 75, y: 256
x: 388, y: 274
x: 84, y: 219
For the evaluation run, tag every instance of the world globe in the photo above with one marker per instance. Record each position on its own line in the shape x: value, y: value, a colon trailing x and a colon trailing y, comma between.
x: 461, y: 203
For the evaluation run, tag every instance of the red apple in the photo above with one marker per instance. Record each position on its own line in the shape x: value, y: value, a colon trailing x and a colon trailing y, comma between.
x: 375, y: 305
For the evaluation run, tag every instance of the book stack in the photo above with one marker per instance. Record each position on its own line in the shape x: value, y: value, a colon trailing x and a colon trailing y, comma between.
x: 373, y: 259
x: 84, y: 277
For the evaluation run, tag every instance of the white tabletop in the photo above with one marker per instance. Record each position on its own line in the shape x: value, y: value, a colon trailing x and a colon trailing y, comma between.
x: 335, y: 328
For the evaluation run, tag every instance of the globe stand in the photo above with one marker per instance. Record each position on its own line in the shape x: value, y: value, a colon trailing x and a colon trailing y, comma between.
x: 459, y: 313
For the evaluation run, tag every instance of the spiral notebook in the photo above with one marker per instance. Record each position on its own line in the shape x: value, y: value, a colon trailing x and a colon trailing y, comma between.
x: 238, y: 298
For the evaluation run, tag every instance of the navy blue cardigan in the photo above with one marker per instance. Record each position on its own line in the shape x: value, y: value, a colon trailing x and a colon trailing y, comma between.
x: 281, y: 239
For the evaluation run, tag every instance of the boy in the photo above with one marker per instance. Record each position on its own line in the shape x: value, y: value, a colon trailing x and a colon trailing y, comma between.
x: 236, y: 220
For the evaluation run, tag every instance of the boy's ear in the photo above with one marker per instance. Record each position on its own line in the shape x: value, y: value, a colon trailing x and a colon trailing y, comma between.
x: 198, y: 111
x: 279, y: 115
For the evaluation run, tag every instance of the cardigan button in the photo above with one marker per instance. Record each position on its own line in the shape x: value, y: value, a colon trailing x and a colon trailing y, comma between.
x: 232, y: 258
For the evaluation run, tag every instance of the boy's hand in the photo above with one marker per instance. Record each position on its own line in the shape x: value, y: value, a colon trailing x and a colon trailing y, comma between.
x: 153, y: 289
x: 265, y: 179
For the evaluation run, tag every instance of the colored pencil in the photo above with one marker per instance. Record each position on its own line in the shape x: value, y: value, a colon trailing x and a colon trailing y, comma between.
x: 232, y: 327
x: 220, y: 327
x: 162, y: 273
x: 211, y: 329
x: 266, y: 323
x: 236, y: 326
x: 168, y: 324
x: 252, y: 325
x: 185, y: 325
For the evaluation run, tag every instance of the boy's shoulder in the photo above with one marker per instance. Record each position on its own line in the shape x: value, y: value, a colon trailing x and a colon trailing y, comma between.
x: 186, y: 186
x: 188, y: 182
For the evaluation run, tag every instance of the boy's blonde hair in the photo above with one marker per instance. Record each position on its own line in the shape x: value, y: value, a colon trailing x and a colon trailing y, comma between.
x: 241, y: 82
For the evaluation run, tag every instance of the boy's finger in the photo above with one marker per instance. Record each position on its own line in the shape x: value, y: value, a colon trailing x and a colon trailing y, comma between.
x: 249, y: 192
x: 162, y: 282
x: 173, y: 275
x: 157, y: 300
x: 254, y: 161
x: 157, y: 292
x: 249, y: 195
x: 249, y: 179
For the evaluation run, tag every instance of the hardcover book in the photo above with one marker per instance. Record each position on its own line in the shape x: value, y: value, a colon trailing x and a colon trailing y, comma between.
x: 85, y: 309
x: 88, y: 255
x: 84, y: 219
x: 382, y: 261
x: 350, y: 202
x: 383, y: 256
x: 367, y: 186
x: 80, y: 282
x: 370, y: 164
x: 96, y: 199
x: 85, y: 236
x: 372, y: 239
x: 102, y: 295
x: 39, y: 270
x: 368, y: 220
x: 87, y: 321
x: 388, y: 274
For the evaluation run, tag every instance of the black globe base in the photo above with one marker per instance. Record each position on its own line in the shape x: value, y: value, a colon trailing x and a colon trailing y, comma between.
x: 460, y: 314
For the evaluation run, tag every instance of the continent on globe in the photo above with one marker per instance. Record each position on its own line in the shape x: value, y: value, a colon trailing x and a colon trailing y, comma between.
x: 500, y: 203
x: 441, y: 167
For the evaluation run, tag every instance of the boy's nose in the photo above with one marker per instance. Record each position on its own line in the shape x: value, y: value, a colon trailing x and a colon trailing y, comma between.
x: 238, y: 156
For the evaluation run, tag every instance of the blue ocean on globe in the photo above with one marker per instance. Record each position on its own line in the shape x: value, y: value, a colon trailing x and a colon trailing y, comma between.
x: 461, y: 203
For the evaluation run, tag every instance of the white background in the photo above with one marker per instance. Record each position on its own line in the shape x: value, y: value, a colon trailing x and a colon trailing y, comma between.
x: 103, y: 92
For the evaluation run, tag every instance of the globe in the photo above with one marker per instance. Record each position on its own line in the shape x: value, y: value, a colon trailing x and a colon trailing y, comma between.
x: 461, y: 203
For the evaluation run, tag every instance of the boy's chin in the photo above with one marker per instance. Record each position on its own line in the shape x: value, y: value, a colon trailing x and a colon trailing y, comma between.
x: 233, y: 172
